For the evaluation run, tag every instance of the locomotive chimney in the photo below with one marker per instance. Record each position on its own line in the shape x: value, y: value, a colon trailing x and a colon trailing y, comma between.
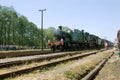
x: 82, y: 32
x: 60, y: 28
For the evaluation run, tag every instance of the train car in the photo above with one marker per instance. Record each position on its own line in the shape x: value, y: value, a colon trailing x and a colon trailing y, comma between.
x: 95, y: 41
x: 78, y: 40
x: 62, y: 40
x: 68, y: 40
x: 74, y: 40
x: 107, y: 43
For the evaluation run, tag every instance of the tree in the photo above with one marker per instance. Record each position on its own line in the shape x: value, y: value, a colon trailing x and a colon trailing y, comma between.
x: 49, y: 34
x: 21, y: 28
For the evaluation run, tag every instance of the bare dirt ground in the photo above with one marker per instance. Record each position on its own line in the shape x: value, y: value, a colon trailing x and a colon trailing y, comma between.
x: 111, y: 70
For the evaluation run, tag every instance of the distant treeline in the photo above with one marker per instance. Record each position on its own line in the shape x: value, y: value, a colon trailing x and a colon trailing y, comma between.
x: 15, y: 29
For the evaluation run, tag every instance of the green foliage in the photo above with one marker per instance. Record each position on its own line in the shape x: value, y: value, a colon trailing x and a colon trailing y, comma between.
x: 65, y: 28
x: 49, y: 33
x: 15, y: 29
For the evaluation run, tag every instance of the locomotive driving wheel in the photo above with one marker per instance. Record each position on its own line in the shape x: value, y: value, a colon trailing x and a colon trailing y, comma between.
x: 53, y: 48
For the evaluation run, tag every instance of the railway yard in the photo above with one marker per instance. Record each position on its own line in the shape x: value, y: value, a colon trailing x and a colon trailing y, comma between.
x: 79, y: 40
x: 74, y: 65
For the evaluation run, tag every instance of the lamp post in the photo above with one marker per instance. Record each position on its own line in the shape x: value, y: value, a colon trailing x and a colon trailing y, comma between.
x: 42, y: 24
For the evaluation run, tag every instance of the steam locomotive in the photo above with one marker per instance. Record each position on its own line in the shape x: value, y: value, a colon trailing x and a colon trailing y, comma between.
x: 74, y: 40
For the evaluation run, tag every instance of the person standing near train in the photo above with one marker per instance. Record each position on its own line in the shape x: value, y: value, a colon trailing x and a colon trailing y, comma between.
x: 106, y: 45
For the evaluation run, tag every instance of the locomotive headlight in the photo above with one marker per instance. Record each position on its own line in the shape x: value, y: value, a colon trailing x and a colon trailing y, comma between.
x: 61, y: 40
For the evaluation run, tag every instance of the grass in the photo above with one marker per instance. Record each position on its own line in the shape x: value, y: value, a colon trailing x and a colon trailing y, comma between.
x: 80, y: 71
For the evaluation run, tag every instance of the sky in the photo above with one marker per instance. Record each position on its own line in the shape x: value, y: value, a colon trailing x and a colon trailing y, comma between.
x: 99, y: 17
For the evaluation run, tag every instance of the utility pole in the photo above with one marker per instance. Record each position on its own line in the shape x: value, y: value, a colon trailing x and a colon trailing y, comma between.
x: 42, y: 25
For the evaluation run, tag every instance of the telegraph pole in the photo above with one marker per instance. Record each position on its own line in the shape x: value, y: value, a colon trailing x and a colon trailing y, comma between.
x: 42, y: 25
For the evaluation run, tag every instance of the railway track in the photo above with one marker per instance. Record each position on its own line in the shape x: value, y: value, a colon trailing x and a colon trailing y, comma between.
x: 7, y: 73
x: 10, y: 54
x: 96, y: 70
x: 19, y: 60
x: 21, y: 53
